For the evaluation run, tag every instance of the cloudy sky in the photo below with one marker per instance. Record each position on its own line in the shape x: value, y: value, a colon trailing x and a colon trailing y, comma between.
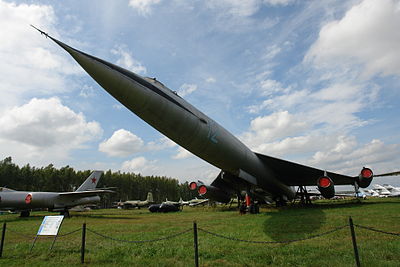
x: 316, y: 82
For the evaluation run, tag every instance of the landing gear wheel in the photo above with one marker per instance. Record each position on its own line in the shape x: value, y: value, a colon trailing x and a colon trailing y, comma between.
x: 25, y: 213
x: 280, y: 203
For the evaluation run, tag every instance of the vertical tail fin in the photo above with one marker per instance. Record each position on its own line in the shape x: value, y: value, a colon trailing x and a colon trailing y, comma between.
x: 150, y: 197
x: 91, y: 182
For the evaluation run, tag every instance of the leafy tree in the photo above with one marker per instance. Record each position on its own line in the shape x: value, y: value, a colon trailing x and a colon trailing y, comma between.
x: 128, y: 185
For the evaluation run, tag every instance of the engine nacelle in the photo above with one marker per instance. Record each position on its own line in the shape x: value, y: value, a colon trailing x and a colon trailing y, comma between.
x: 365, y: 177
x: 326, y: 187
x: 214, y: 193
x: 195, y: 185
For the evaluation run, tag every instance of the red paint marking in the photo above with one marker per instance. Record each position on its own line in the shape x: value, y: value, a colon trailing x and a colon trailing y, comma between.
x: 28, y: 199
x: 248, y: 200
x: 94, y: 180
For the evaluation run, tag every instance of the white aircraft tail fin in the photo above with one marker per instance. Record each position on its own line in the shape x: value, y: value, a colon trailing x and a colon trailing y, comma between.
x: 91, y: 182
x: 150, y: 197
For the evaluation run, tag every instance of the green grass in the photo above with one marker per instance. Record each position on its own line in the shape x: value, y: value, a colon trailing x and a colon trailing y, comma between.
x: 292, y: 222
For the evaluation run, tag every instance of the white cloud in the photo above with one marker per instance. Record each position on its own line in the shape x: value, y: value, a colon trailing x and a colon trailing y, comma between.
x: 270, y: 87
x: 278, y: 2
x: 235, y: 7
x: 367, y: 35
x: 139, y: 165
x: 127, y: 61
x: 182, y: 154
x: 187, y: 89
x: 288, y: 100
x: 122, y: 143
x: 349, y: 157
x: 118, y: 106
x: 273, y: 127
x: 160, y: 144
x: 144, y: 7
x: 272, y: 51
x: 211, y: 80
x: 44, y: 129
x: 87, y: 91
x: 26, y: 53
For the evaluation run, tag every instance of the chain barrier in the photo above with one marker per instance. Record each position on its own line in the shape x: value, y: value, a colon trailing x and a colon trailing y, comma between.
x: 21, y: 234
x: 376, y: 230
x: 272, y: 242
x: 33, y: 236
x: 70, y: 233
x: 140, y: 241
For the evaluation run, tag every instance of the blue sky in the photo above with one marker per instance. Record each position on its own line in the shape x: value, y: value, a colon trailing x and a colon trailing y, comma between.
x: 315, y: 82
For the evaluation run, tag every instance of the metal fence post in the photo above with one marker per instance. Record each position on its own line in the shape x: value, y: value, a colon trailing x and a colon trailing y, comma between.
x: 3, y: 235
x: 353, y: 238
x: 83, y: 243
x: 196, y: 246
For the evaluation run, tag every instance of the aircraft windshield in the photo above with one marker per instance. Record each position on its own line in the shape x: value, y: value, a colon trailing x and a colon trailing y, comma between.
x: 5, y: 189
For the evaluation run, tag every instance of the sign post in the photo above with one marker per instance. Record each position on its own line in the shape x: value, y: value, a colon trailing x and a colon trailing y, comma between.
x: 49, y: 227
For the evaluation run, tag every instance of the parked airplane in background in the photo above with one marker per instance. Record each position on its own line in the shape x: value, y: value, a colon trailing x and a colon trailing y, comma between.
x: 263, y: 177
x: 394, y: 191
x: 164, y: 207
x: 25, y: 201
x: 384, y: 191
x: 181, y: 202
x: 137, y: 203
x: 197, y: 201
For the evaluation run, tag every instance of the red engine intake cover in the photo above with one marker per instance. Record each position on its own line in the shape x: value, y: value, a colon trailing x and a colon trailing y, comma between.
x: 202, y: 190
x: 193, y: 186
x: 324, y: 182
x: 326, y: 187
x: 365, y: 177
x: 367, y: 173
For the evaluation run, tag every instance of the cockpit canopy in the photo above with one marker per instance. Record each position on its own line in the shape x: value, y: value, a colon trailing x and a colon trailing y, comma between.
x: 5, y: 189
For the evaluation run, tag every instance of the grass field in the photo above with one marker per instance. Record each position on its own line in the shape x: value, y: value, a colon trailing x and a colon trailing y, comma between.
x: 288, y: 223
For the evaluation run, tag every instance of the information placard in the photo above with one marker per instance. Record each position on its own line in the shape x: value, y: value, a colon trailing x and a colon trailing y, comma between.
x: 50, y: 225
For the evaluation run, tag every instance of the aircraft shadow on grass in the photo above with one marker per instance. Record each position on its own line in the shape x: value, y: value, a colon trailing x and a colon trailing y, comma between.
x: 292, y: 224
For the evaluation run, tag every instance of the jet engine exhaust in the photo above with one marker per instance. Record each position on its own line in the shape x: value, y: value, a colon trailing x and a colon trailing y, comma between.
x: 365, y: 177
x: 326, y: 187
x: 215, y: 193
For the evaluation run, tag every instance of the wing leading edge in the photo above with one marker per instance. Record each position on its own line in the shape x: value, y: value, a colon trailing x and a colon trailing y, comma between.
x: 294, y: 174
x: 86, y: 193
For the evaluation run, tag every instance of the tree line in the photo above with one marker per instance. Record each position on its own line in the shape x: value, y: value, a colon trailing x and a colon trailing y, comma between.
x: 128, y: 186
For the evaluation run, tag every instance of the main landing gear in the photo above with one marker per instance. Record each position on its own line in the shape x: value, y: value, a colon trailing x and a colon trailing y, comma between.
x: 249, y: 206
x: 304, y: 196
x: 25, y: 213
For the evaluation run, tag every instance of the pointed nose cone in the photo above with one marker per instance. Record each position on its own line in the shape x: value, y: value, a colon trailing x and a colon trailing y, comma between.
x: 127, y: 87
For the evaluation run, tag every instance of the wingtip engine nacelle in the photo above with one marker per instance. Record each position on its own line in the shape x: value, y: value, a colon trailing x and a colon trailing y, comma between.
x: 326, y: 187
x: 365, y: 177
